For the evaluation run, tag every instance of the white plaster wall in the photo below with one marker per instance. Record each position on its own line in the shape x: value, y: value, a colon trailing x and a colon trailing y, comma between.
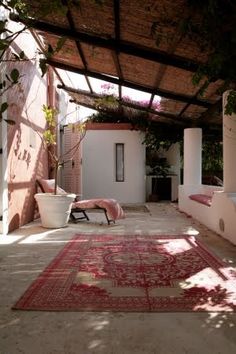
x: 221, y: 212
x: 98, y: 166
x: 192, y: 156
x: 173, y: 158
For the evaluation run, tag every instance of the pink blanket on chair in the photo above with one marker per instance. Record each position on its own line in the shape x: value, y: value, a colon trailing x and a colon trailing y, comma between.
x: 112, y: 207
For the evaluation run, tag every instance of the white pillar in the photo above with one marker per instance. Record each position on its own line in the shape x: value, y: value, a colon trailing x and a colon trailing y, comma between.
x: 229, y: 149
x: 192, y: 156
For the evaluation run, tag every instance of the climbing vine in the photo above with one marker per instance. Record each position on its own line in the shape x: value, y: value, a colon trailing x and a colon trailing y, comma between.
x: 26, y: 11
x: 230, y: 106
x: 210, y: 24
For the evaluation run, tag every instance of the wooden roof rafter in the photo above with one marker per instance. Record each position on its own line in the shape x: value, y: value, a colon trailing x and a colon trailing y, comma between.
x: 190, y: 102
x: 77, y: 43
x: 140, y: 47
x: 135, y: 86
x: 122, y: 47
x: 151, y: 100
x: 115, y: 54
x: 160, y: 119
x: 169, y: 118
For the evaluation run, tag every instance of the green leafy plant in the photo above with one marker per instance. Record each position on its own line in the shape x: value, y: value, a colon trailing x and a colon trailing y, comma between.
x: 159, y: 167
x: 230, y: 107
x: 49, y: 141
x: 211, y: 25
x: 212, y: 157
x: 25, y: 13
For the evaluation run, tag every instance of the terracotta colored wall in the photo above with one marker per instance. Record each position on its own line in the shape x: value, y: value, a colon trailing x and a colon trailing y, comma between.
x: 71, y: 173
x: 109, y: 126
x: 27, y: 160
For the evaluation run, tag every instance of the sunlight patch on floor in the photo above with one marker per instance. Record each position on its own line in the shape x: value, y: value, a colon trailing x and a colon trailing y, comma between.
x: 192, y: 232
x: 8, y: 240
x: 39, y: 236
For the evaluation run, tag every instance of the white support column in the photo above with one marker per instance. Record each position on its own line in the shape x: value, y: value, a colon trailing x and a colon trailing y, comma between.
x: 229, y: 149
x: 192, y: 156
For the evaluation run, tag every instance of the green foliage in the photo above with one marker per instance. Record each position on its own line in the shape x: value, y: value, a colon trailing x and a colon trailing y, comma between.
x: 106, y: 101
x: 60, y: 44
x: 4, y: 44
x: 155, y: 135
x: 43, y: 66
x: 230, y: 107
x: 159, y: 165
x: 211, y: 25
x: 25, y: 11
x: 49, y: 140
x: 212, y: 156
x: 162, y: 168
x: 101, y: 117
x: 4, y: 107
x: 14, y: 74
x: 49, y: 134
x: 49, y: 137
x: 99, y: 2
x: 8, y: 82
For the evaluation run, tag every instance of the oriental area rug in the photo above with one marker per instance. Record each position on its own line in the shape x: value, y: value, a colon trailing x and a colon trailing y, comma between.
x: 133, y: 273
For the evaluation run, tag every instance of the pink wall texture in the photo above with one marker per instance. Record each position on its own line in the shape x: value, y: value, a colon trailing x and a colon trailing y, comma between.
x: 27, y: 160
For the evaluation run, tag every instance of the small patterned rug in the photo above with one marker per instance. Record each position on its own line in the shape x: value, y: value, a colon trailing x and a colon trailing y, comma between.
x: 141, y: 208
x: 128, y: 208
x: 133, y: 273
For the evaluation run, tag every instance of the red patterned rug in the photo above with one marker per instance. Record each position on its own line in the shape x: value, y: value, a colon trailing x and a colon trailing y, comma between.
x: 133, y: 273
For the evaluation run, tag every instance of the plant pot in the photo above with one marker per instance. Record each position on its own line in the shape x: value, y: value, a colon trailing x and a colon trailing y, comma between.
x: 54, y: 209
x: 153, y: 198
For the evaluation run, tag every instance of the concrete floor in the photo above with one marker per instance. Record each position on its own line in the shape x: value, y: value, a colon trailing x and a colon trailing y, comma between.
x: 25, y: 253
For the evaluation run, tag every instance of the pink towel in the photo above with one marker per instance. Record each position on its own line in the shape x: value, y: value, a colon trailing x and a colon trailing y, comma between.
x: 113, y: 208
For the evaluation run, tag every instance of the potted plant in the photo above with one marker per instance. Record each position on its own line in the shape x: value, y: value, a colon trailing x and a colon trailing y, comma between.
x: 55, y: 205
x: 157, y: 167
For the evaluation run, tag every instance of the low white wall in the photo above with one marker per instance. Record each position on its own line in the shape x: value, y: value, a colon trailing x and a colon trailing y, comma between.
x: 219, y: 217
x: 98, y: 166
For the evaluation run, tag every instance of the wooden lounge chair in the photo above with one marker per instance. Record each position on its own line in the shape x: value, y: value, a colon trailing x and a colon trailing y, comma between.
x: 110, y: 207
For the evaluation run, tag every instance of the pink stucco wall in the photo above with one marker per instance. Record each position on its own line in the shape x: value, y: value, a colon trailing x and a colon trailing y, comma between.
x: 27, y: 160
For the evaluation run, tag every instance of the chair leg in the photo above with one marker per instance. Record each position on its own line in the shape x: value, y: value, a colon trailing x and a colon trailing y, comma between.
x: 74, y: 219
x: 85, y: 214
x: 108, y: 220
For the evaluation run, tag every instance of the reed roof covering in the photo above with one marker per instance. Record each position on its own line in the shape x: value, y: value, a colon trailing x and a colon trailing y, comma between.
x: 136, y: 44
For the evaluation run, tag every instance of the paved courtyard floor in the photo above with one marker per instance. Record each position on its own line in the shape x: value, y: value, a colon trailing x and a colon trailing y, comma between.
x: 26, y: 252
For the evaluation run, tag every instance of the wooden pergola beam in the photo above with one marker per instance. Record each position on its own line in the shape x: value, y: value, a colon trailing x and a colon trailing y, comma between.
x: 169, y: 118
x: 77, y: 43
x: 135, y: 86
x: 115, y: 54
x: 208, y: 117
x: 111, y: 43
